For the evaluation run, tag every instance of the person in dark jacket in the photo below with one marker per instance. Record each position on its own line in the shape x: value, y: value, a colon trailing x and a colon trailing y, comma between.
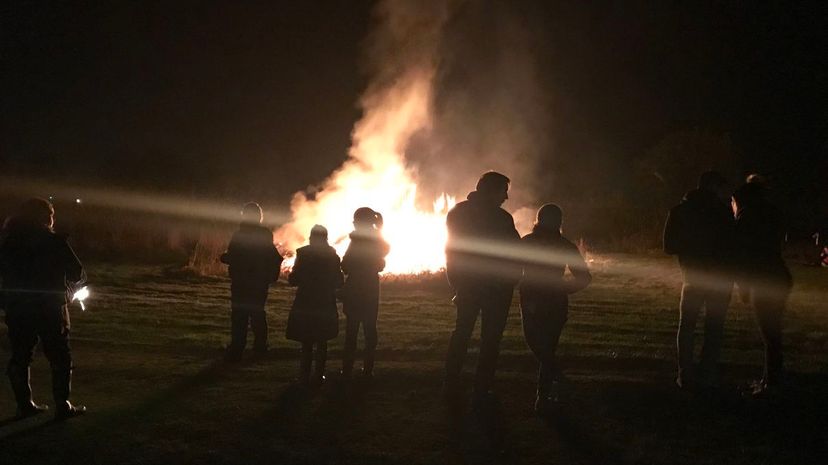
x: 700, y: 231
x: 362, y: 262
x: 480, y: 235
x: 40, y: 272
x: 544, y: 296
x: 313, y: 318
x: 254, y: 263
x: 763, y: 278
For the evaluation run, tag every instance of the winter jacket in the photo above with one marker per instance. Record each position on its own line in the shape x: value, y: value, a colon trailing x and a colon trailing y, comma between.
x: 317, y: 275
x: 481, y: 242
x: 547, y: 255
x: 362, y: 262
x: 37, y: 267
x: 760, y: 231
x: 700, y: 231
x: 254, y: 262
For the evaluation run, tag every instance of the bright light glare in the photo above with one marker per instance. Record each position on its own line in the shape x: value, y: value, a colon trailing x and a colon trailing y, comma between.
x: 81, y: 295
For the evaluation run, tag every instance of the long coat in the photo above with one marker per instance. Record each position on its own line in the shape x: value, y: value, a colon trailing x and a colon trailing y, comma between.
x: 317, y: 275
x: 362, y: 262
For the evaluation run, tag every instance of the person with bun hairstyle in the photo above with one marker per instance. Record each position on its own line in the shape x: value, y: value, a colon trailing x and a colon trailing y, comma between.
x: 362, y: 262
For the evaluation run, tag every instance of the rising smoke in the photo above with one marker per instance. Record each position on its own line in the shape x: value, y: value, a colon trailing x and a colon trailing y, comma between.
x: 453, y: 92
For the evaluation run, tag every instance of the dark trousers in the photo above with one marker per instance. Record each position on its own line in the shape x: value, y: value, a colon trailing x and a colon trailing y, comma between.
x: 714, y: 299
x: 543, y: 321
x: 368, y: 322
x: 769, y: 305
x: 493, y: 307
x: 241, y: 316
x: 50, y: 324
x: 309, y: 356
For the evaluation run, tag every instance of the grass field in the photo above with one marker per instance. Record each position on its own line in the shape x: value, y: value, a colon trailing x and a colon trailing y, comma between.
x: 148, y: 354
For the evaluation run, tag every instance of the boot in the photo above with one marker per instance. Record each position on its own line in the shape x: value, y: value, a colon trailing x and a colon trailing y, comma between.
x: 305, y: 367
x: 368, y: 365
x: 61, y: 387
x: 347, y: 365
x: 319, y: 373
x: 21, y: 386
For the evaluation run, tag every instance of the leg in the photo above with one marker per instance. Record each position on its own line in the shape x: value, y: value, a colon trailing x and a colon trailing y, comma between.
x: 305, y: 362
x: 54, y: 332
x: 239, y: 318
x: 769, y: 305
x: 369, y: 330
x: 716, y: 303
x: 467, y: 311
x: 23, y: 339
x: 258, y: 323
x: 494, y: 313
x: 351, y: 332
x: 691, y: 301
x: 321, y: 357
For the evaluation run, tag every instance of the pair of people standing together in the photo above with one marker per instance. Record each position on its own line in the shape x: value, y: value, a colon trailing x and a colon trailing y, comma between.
x: 716, y: 247
x: 485, y: 259
x: 319, y: 276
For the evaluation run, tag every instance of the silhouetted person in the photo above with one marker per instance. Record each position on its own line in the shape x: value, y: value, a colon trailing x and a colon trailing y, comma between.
x: 544, y: 296
x: 763, y: 279
x: 700, y: 231
x: 480, y: 234
x: 40, y: 272
x: 254, y: 264
x: 313, y: 318
x: 362, y: 262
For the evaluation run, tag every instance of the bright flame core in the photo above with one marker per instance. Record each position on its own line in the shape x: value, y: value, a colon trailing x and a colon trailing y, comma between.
x: 396, y: 105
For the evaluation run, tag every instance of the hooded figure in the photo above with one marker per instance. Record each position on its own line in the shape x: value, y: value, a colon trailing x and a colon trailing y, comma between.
x: 362, y: 262
x: 313, y: 318
x: 40, y: 272
x: 700, y: 231
x: 254, y: 264
x: 763, y: 278
x: 480, y: 235
x: 544, y: 296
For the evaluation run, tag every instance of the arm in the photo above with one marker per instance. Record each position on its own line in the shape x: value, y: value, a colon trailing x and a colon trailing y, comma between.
x: 672, y: 233
x: 73, y: 269
x: 581, y: 277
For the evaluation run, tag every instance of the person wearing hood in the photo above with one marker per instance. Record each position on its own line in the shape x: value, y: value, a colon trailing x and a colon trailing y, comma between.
x: 544, y: 296
x: 254, y: 263
x: 40, y: 272
x: 763, y: 278
x: 362, y: 262
x: 313, y: 319
x: 482, y: 268
x: 700, y: 231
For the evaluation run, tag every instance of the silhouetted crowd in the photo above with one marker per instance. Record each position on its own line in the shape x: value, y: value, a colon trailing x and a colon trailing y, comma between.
x: 486, y: 259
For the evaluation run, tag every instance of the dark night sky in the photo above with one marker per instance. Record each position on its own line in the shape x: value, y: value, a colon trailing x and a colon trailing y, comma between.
x: 219, y: 97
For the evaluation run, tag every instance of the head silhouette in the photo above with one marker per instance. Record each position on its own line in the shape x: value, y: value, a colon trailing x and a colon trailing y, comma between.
x: 252, y: 213
x: 318, y: 235
x: 366, y: 219
x: 748, y: 195
x: 36, y: 212
x: 493, y: 188
x: 550, y: 217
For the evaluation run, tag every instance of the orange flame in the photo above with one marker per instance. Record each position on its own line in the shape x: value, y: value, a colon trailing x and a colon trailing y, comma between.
x: 375, y: 176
